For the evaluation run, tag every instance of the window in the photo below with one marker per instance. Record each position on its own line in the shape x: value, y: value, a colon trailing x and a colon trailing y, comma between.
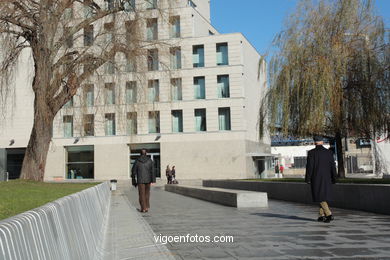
x: 200, y: 120
x: 69, y: 39
x: 224, y: 118
x: 175, y: 58
x: 223, y: 86
x: 109, y: 31
x: 199, y: 88
x: 80, y: 162
x: 88, y: 35
x: 89, y: 125
x: 88, y: 11
x: 131, y: 92
x: 300, y: 162
x: 89, y: 96
x: 110, y: 67
x: 151, y: 29
x: 68, y: 126
x: 198, y: 56
x: 110, y: 93
x: 222, y: 54
x: 153, y: 91
x: 176, y: 89
x: 68, y: 13
x: 151, y: 4
x: 109, y: 124
x: 130, y: 30
x: 110, y: 4
x: 177, y: 121
x: 154, y: 122
x: 152, y: 59
x: 69, y: 103
x: 131, y: 123
x: 129, y: 5
x: 174, y: 22
x: 131, y: 65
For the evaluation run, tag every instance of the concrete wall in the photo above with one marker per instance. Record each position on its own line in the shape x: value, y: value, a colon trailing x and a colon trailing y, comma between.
x: 112, y: 161
x: 66, y: 229
x: 366, y: 197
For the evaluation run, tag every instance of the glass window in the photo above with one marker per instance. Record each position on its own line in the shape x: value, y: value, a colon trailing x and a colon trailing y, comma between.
x: 88, y: 11
x: 199, y: 88
x: 131, y: 65
x: 131, y: 92
x: 109, y: 31
x: 69, y: 40
x: 89, y: 125
x: 110, y: 67
x: 80, y: 162
x: 69, y: 103
x: 154, y: 122
x: 153, y: 90
x: 109, y: 124
x: 222, y: 54
x: 110, y: 4
x: 174, y: 26
x: 88, y: 35
x: 110, y: 93
x: 129, y: 5
x: 131, y: 123
x: 177, y: 121
x: 175, y: 58
x: 130, y: 30
x: 152, y: 59
x: 151, y: 29
x: 151, y: 4
x: 224, y: 118
x: 223, y: 86
x: 89, y: 97
x: 176, y: 89
x: 198, y: 56
x: 200, y: 120
x: 68, y: 13
x: 68, y: 126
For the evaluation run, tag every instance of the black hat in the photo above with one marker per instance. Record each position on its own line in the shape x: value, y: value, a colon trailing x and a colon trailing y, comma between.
x: 318, y: 138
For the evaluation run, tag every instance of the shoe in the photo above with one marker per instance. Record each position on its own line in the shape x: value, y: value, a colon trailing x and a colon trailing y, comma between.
x: 321, y: 219
x: 328, y: 219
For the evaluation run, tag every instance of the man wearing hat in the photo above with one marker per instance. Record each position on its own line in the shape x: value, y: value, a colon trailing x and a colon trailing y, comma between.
x: 321, y: 174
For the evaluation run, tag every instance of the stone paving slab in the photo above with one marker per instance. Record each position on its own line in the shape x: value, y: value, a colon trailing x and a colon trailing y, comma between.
x: 285, y: 230
x: 128, y: 235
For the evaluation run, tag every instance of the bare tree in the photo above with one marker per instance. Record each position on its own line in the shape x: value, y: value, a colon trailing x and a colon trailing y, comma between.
x: 330, y: 75
x: 70, y: 41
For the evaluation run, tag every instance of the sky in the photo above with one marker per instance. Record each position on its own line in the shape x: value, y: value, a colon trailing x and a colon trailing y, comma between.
x: 261, y: 20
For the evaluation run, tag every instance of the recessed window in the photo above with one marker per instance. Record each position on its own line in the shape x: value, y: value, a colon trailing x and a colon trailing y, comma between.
x: 151, y: 4
x: 131, y: 123
x: 109, y: 124
x: 200, y: 120
x: 175, y: 54
x: 176, y: 85
x: 110, y: 93
x: 222, y: 54
x: 109, y: 32
x: 68, y: 126
x: 153, y: 60
x: 130, y: 30
x: 89, y: 125
x: 89, y: 96
x: 153, y: 90
x: 154, y: 122
x: 199, y: 88
x: 131, y: 92
x: 151, y: 29
x: 88, y: 35
x: 69, y: 103
x: 129, y: 5
x: 69, y: 39
x: 198, y: 56
x: 224, y: 118
x: 174, y: 22
x: 80, y: 162
x: 223, y: 86
x: 177, y: 121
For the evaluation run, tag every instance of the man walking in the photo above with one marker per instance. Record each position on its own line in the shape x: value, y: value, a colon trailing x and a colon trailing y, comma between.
x: 321, y: 174
x: 144, y: 174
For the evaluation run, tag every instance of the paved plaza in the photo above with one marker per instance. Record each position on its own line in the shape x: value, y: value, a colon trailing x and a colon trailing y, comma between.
x: 284, y: 230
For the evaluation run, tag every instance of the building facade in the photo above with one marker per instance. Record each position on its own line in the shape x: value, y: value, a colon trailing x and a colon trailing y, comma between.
x: 195, y: 105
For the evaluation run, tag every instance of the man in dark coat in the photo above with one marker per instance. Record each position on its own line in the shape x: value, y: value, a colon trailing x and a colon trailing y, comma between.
x: 143, y: 175
x: 321, y: 174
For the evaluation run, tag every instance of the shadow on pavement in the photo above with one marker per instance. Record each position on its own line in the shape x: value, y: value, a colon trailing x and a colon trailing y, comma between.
x: 273, y: 215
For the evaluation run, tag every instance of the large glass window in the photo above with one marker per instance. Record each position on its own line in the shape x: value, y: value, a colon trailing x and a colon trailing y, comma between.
x: 198, y: 56
x: 200, y: 120
x: 131, y: 123
x: 110, y: 93
x: 223, y: 86
x: 176, y: 89
x: 131, y: 92
x: 224, y: 118
x: 174, y: 26
x: 153, y: 91
x: 89, y: 97
x: 177, y: 121
x: 154, y: 122
x: 109, y: 124
x: 151, y: 29
x: 152, y: 59
x: 80, y: 162
x: 199, y: 88
x: 68, y: 126
x: 88, y: 35
x: 89, y: 125
x: 175, y: 58
x: 222, y: 54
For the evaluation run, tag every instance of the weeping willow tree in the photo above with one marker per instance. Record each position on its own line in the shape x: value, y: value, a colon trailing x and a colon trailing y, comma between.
x: 330, y: 75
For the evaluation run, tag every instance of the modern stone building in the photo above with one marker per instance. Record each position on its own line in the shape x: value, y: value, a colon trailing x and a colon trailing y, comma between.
x: 195, y: 106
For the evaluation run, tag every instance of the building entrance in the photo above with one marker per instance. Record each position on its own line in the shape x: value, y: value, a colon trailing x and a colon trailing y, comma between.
x: 153, y: 151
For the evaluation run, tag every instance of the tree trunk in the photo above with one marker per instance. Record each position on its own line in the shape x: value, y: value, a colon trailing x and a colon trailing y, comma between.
x: 340, y: 155
x: 34, y: 162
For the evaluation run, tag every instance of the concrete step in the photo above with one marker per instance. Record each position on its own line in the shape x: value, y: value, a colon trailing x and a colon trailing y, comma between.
x: 227, y: 197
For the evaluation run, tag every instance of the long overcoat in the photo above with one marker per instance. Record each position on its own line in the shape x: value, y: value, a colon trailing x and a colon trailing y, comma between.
x: 320, y: 173
x: 143, y: 170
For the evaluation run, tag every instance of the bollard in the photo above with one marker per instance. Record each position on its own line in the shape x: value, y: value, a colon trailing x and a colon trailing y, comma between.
x: 113, y: 184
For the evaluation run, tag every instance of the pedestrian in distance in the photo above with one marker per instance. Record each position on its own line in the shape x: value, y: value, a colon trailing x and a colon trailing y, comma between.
x: 277, y: 169
x: 173, y: 174
x: 321, y: 174
x: 168, y: 174
x: 143, y: 174
x: 281, y: 169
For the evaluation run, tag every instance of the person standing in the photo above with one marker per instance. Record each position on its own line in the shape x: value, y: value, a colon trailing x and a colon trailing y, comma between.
x: 168, y: 174
x: 277, y: 170
x: 173, y: 174
x: 281, y: 169
x: 321, y: 174
x: 144, y: 173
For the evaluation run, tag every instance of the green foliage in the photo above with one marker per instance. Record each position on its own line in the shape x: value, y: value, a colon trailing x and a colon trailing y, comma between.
x: 17, y: 196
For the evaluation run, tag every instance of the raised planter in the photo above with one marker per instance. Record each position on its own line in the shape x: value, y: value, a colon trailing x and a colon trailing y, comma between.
x: 367, y: 197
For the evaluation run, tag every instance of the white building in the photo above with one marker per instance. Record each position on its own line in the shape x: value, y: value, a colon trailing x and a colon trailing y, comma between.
x: 200, y: 114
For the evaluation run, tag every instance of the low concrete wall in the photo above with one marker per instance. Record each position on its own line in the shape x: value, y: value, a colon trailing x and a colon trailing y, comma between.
x: 69, y: 228
x: 367, y: 197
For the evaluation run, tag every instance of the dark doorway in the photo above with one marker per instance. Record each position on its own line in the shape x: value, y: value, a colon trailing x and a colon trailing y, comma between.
x: 153, y: 151
x: 15, y: 158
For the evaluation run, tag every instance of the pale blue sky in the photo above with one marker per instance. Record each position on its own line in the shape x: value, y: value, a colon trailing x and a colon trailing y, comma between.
x: 260, y: 20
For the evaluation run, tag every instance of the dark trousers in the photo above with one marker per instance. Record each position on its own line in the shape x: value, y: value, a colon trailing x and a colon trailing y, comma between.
x: 144, y: 195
